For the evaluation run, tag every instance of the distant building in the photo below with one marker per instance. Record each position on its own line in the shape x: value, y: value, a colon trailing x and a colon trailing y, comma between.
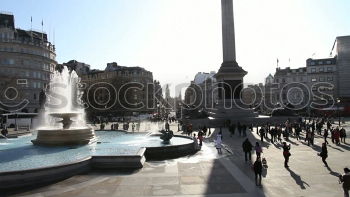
x: 27, y: 60
x: 341, y: 51
x: 79, y: 67
x: 322, y: 79
x: 202, y: 91
x: 119, y: 90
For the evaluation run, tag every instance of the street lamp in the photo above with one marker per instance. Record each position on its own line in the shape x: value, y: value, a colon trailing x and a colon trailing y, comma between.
x: 338, y: 108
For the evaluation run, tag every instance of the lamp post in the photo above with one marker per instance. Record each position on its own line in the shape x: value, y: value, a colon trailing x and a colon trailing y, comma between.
x: 338, y: 109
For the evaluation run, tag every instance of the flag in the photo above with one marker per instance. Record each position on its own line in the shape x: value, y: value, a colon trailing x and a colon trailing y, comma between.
x: 42, y: 22
x: 31, y: 19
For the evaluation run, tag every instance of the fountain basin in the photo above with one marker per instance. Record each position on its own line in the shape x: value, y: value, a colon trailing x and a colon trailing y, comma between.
x: 23, y: 164
x: 61, y: 137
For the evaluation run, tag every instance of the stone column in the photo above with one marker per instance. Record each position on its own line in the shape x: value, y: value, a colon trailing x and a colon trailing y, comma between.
x: 228, y: 31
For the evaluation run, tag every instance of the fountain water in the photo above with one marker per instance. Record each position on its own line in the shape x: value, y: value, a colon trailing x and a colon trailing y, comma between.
x: 63, y: 119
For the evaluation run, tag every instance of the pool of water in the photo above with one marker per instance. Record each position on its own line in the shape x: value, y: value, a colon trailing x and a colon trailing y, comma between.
x: 20, y: 154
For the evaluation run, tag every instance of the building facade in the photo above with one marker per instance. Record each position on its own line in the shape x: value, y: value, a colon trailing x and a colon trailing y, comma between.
x: 341, y: 51
x: 79, y: 67
x: 27, y: 60
x: 119, y: 90
x: 202, y: 91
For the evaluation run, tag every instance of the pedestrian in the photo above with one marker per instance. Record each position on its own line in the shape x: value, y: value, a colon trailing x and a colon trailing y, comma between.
x: 218, y: 142
x: 324, y: 154
x: 332, y: 135
x: 232, y: 129
x: 258, y: 171
x: 325, y: 135
x: 167, y: 126
x: 337, y: 136
x: 196, y: 146
x: 345, y: 179
x: 244, y: 129
x: 279, y: 134
x: 342, y: 135
x: 297, y: 132
x: 133, y: 127
x: 286, y: 154
x: 200, y: 138
x: 262, y: 134
x: 205, y: 129
x: 258, y: 149
x: 247, y: 148
x: 239, y: 127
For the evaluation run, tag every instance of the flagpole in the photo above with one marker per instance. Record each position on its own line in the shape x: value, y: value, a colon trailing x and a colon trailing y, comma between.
x: 42, y: 30
x: 31, y: 27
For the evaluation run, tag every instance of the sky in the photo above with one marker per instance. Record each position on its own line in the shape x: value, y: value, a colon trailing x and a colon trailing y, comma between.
x: 175, y: 39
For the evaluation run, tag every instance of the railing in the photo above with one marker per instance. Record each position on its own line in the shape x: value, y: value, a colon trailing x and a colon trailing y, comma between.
x: 45, y: 45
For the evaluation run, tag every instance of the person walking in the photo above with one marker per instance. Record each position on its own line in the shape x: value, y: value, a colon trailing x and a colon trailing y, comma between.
x: 258, y: 149
x: 258, y: 171
x: 345, y: 179
x: 325, y: 135
x: 218, y: 142
x: 337, y: 136
x: 286, y: 154
x: 200, y: 138
x: 342, y: 135
x: 167, y: 126
x: 324, y: 154
x: 239, y: 127
x: 247, y: 148
x: 262, y: 134
x: 196, y: 146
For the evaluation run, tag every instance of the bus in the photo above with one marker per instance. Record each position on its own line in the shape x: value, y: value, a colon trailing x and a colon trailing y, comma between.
x: 18, y: 120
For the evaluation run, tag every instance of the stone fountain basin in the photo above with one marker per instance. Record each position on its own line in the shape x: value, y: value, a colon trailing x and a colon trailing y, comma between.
x: 62, y: 137
x: 64, y: 115
x: 23, y: 164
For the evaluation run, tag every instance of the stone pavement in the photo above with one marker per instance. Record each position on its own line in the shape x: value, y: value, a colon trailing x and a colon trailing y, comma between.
x: 307, y: 175
x: 209, y: 174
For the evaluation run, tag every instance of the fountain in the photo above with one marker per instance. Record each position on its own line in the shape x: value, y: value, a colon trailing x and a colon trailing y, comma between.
x: 59, y: 128
x: 62, y: 124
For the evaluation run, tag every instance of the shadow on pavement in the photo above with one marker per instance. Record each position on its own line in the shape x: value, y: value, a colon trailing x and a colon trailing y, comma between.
x: 297, y: 179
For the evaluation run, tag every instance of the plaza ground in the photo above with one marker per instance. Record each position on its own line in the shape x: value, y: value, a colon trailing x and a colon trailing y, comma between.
x: 209, y: 174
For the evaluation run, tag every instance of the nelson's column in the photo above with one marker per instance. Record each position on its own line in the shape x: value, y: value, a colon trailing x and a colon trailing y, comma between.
x: 230, y: 75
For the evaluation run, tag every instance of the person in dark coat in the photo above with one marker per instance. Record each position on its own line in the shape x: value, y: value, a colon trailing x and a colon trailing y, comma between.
x: 324, y: 154
x: 325, y: 136
x: 257, y: 170
x: 247, y: 148
x: 262, y: 134
x: 345, y: 179
x: 286, y: 154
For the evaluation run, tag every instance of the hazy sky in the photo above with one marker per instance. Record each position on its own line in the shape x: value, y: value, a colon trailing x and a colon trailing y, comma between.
x: 175, y: 39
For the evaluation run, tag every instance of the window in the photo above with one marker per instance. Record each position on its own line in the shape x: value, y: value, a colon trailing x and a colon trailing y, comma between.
x: 329, y: 78
x: 312, y: 63
x: 313, y: 79
x: 321, y: 79
x: 329, y: 62
x: 313, y: 70
x: 321, y: 69
x: 329, y: 69
x: 320, y: 62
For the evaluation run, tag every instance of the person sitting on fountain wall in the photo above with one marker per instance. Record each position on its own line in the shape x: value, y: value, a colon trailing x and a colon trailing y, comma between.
x: 4, y: 131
